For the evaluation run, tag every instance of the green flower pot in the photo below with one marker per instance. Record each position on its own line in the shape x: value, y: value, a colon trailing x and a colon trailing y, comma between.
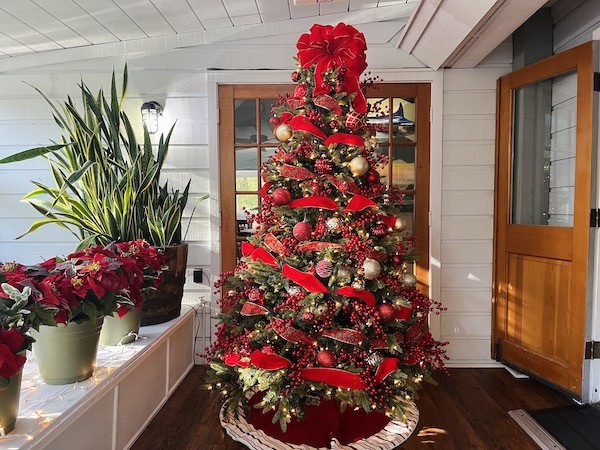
x: 9, y: 404
x: 67, y: 354
x: 115, y: 329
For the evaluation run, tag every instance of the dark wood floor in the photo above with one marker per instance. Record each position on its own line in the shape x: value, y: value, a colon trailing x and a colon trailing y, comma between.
x: 467, y: 410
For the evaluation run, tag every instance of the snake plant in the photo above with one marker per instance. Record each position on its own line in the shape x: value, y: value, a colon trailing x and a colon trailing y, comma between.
x: 106, y: 183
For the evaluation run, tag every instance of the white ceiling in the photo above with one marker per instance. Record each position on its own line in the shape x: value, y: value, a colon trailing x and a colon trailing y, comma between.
x: 28, y: 27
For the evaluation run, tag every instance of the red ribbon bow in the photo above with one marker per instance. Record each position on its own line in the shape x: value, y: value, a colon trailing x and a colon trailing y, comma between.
x: 329, y: 47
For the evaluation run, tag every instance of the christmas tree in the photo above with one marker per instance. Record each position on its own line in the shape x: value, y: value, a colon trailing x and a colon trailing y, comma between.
x: 321, y: 304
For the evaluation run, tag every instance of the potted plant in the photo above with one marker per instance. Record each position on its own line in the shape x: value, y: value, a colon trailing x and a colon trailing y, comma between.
x: 107, y: 188
x: 81, y: 290
x: 19, y: 311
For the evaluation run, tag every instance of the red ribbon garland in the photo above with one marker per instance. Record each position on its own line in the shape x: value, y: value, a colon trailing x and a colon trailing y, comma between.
x: 260, y: 254
x: 358, y: 203
x: 365, y: 296
x: 328, y: 47
x: 345, y: 138
x: 253, y: 309
x: 314, y: 201
x: 269, y: 361
x: 236, y: 360
x: 247, y: 248
x: 301, y: 123
x: 306, y: 280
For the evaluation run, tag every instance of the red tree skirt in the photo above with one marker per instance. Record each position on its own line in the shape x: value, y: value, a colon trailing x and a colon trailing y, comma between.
x: 323, y: 427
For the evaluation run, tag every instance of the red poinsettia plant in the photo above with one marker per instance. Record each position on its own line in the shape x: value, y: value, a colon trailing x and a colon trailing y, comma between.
x: 91, y: 283
x: 86, y: 285
x: 13, y: 344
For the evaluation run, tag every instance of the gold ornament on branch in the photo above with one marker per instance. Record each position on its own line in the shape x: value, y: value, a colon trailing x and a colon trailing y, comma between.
x: 409, y: 280
x: 359, y: 166
x: 283, y: 132
x: 371, y: 268
x: 400, y: 224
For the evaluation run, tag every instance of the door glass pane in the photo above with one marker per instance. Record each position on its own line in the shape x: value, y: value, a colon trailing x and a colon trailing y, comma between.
x: 403, y: 119
x: 379, y: 117
x: 384, y: 171
x: 403, y: 169
x: 267, y: 137
x: 246, y: 169
x: 407, y: 209
x: 249, y: 203
x: 543, y: 165
x: 245, y: 121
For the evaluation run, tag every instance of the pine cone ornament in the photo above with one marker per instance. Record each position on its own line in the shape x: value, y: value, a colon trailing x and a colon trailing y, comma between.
x: 323, y: 166
x: 326, y: 358
x: 324, y: 268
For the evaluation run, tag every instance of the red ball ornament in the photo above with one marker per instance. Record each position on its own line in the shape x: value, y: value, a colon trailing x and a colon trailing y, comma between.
x: 274, y: 121
x: 281, y: 196
x: 326, y: 358
x: 295, y: 76
x: 334, y: 124
x: 302, y: 231
x: 386, y: 311
x: 354, y: 120
x: 373, y: 177
x: 324, y: 268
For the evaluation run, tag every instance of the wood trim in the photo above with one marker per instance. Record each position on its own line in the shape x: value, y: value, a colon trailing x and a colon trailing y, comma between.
x: 227, y: 177
x: 422, y: 184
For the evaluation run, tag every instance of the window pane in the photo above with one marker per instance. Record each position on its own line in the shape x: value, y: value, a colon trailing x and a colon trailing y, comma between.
x: 407, y: 209
x: 266, y: 128
x: 404, y: 118
x: 248, y: 202
x: 379, y: 116
x: 403, y: 167
x: 266, y: 153
x: 246, y: 169
x: 543, y: 171
x: 384, y: 171
x: 245, y: 121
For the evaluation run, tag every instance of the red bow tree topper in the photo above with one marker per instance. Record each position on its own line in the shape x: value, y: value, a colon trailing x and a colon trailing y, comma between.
x: 329, y: 47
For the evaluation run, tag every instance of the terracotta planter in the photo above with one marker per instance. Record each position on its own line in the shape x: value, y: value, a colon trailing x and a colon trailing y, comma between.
x: 67, y: 354
x: 9, y: 403
x: 115, y: 328
x: 164, y: 304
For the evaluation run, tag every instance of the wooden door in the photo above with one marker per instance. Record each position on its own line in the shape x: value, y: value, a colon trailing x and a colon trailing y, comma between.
x: 543, y: 174
x: 400, y: 115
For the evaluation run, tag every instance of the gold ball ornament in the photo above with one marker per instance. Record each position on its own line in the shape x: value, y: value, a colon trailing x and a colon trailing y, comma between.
x: 359, y: 166
x: 371, y: 268
x: 400, y: 224
x: 343, y: 274
x: 409, y: 280
x: 283, y: 132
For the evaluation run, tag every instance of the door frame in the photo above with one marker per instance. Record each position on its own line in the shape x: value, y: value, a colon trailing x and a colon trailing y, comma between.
x: 435, y: 78
x: 504, y: 137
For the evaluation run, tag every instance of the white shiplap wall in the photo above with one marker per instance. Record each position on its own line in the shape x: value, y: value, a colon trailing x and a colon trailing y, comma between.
x: 468, y: 207
x: 462, y: 198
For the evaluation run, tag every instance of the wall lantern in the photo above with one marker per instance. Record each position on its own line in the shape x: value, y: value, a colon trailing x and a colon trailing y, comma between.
x: 150, y: 113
